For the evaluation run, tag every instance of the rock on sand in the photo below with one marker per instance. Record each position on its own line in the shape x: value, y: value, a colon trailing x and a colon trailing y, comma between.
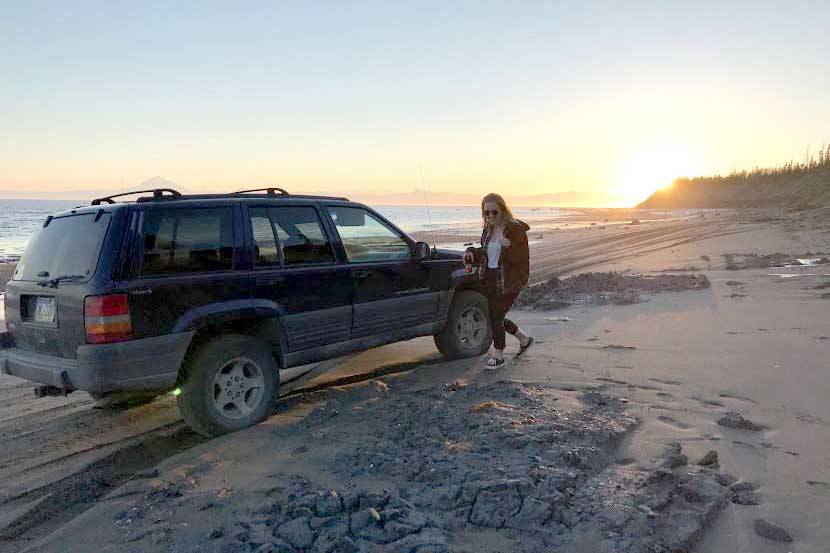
x: 771, y: 531
x: 737, y: 421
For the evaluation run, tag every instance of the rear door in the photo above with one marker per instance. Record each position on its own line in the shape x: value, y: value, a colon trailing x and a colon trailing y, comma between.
x: 391, y: 289
x: 186, y: 266
x: 296, y: 269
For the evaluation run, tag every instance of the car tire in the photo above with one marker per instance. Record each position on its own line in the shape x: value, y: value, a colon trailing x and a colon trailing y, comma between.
x: 468, y: 332
x: 229, y: 383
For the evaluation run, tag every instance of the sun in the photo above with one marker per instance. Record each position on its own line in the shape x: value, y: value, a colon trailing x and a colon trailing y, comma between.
x: 653, y: 167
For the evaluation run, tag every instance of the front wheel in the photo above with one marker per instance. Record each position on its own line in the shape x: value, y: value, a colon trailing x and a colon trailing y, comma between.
x: 230, y: 383
x: 468, y: 332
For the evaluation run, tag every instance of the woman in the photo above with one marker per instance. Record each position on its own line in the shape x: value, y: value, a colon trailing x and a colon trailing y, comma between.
x: 503, y: 262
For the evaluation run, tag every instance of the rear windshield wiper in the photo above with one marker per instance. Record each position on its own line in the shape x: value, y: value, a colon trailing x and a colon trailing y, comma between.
x: 53, y: 283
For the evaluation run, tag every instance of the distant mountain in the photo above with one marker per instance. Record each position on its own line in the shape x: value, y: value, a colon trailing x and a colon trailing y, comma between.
x: 157, y: 182
x: 571, y: 198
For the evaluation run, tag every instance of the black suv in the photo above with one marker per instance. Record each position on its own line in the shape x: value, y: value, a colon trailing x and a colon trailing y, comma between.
x: 212, y: 295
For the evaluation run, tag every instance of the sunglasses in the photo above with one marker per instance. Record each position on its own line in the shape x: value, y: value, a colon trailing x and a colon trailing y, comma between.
x: 488, y: 212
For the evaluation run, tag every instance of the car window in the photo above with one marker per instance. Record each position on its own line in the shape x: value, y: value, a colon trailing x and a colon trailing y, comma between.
x: 187, y: 240
x: 265, y: 243
x: 68, y: 245
x: 301, y: 236
x: 367, y: 238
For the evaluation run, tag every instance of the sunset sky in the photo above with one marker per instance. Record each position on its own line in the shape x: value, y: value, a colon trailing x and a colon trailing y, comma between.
x: 527, y: 98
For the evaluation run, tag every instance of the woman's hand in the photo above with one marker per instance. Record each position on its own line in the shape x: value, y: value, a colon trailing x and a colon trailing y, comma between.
x: 505, y: 242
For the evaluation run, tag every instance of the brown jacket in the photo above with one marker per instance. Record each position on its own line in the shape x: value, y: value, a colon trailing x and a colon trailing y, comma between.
x: 514, y: 261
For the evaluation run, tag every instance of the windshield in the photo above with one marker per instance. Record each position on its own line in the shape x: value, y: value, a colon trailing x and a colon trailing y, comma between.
x: 66, y: 246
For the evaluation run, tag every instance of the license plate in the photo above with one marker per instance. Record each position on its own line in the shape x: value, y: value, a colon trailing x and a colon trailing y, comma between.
x: 45, y: 310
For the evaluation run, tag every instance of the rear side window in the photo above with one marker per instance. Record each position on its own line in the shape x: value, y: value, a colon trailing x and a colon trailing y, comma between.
x: 301, y: 235
x: 297, y: 233
x: 66, y: 246
x: 187, y: 241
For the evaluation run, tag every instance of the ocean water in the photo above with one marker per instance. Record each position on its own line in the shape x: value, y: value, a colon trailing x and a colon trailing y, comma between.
x: 19, y: 219
x: 446, y: 219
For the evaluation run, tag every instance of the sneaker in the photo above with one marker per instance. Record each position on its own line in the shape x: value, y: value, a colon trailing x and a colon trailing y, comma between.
x: 494, y: 364
x: 524, y: 348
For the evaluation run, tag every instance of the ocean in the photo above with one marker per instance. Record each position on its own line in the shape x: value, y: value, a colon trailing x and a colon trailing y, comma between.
x: 19, y: 219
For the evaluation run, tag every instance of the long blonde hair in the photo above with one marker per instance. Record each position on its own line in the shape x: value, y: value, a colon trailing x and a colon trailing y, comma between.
x: 507, y: 215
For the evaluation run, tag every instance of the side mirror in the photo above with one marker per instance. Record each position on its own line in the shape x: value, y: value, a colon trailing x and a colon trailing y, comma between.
x: 422, y: 251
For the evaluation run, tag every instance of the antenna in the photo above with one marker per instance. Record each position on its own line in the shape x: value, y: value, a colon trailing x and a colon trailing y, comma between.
x: 426, y: 202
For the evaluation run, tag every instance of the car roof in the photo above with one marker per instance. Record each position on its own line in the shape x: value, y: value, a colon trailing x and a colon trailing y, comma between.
x: 170, y: 197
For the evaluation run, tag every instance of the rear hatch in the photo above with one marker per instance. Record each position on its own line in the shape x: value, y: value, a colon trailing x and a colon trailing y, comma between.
x: 45, y: 298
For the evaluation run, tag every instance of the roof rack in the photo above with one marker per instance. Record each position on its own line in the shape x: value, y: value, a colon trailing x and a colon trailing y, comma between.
x: 158, y: 194
x: 271, y: 191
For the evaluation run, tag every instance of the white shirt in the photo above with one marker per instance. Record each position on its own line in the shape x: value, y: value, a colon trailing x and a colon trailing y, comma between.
x: 494, y: 249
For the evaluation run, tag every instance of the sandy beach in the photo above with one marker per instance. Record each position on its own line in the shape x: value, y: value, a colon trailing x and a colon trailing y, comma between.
x: 207, y: 194
x: 640, y: 395
x: 6, y: 270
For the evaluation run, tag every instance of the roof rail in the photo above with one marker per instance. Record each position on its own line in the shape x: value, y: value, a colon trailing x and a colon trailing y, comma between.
x: 158, y: 194
x: 271, y: 191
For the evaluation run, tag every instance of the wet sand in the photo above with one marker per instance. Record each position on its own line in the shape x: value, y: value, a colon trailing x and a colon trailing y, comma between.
x: 458, y: 235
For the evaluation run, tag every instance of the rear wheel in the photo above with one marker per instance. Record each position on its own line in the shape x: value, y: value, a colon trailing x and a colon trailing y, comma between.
x: 230, y: 383
x: 468, y: 332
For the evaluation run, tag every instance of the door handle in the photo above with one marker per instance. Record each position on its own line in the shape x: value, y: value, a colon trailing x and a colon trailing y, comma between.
x: 362, y: 274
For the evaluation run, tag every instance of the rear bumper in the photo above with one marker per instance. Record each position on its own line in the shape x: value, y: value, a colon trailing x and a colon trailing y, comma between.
x: 145, y: 364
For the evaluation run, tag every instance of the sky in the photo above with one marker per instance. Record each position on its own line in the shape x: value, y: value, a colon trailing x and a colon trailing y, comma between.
x: 609, y: 100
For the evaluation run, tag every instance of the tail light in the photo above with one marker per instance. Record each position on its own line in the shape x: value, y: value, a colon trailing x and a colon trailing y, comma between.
x: 107, y: 319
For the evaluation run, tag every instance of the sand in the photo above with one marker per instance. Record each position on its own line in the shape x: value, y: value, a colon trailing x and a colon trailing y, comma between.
x: 6, y: 270
x: 754, y: 343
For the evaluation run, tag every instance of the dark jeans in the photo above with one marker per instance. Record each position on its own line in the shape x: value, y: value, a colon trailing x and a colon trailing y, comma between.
x: 499, y: 304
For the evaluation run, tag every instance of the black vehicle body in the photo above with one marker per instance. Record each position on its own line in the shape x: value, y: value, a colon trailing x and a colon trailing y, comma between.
x: 304, y: 311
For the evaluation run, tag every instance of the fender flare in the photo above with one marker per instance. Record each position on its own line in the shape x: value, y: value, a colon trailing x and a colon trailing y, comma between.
x: 235, y: 311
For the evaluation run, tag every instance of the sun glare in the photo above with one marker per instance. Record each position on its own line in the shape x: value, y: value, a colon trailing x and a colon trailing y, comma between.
x: 651, y: 168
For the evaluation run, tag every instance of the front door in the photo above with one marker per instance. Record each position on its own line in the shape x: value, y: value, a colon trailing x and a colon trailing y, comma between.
x: 391, y: 289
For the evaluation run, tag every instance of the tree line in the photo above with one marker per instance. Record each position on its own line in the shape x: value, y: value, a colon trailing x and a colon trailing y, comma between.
x: 817, y: 163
